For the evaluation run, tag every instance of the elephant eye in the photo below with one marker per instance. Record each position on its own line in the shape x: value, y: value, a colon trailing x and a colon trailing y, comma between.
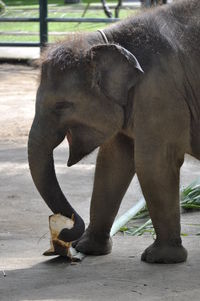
x: 61, y: 105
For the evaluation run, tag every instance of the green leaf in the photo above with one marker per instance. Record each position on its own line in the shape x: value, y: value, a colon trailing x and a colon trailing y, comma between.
x: 123, y: 229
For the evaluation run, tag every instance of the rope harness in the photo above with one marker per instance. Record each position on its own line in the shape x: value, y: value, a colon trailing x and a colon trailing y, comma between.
x: 103, y: 36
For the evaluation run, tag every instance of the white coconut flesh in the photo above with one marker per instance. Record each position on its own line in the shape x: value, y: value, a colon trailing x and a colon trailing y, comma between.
x: 57, y: 223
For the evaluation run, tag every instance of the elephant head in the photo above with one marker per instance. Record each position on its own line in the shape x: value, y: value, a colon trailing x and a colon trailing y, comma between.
x: 82, y: 96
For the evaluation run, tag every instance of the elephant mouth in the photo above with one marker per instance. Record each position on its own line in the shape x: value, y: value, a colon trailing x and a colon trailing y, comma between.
x: 69, y: 137
x: 76, y: 147
x: 82, y: 141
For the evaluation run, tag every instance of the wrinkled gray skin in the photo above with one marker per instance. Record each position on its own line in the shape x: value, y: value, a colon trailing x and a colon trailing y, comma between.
x: 144, y: 122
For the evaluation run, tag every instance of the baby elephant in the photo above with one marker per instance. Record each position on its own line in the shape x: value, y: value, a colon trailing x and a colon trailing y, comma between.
x: 134, y: 90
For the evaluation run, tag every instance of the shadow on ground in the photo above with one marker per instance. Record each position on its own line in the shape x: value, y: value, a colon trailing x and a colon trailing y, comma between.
x: 117, y: 276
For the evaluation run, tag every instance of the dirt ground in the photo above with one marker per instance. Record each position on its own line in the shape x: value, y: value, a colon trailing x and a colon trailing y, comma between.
x: 24, y: 273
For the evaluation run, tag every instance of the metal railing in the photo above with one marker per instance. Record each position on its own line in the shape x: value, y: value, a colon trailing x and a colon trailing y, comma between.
x: 43, y: 20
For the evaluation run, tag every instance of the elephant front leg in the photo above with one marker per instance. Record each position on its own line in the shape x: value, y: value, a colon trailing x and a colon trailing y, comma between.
x: 114, y: 172
x: 158, y: 172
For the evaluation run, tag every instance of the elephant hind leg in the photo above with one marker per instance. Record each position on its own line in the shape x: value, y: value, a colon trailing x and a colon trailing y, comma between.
x: 115, y: 169
x: 158, y: 173
x: 195, y: 139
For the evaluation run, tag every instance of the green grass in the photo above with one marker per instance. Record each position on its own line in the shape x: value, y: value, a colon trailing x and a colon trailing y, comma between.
x: 30, y: 2
x: 15, y: 32
x: 36, y: 2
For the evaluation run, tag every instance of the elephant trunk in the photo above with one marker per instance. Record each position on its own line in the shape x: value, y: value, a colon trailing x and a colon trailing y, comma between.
x: 41, y: 163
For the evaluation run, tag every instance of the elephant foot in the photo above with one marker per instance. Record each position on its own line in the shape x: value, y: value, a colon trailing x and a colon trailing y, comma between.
x: 92, y: 245
x: 156, y: 253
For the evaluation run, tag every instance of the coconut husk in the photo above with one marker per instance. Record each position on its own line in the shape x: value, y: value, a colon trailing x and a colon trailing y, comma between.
x: 57, y: 223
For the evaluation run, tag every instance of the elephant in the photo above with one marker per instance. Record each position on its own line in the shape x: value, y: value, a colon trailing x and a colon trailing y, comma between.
x: 133, y: 90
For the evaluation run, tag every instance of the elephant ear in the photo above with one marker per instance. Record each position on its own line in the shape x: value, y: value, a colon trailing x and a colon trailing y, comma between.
x: 116, y: 70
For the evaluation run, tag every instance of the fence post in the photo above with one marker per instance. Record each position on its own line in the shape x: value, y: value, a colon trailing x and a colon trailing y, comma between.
x: 43, y: 23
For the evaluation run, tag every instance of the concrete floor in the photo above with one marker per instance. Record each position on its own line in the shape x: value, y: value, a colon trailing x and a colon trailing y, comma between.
x: 24, y: 273
x: 118, y: 276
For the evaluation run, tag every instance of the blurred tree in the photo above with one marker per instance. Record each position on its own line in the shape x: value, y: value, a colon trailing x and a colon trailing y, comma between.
x: 2, y: 7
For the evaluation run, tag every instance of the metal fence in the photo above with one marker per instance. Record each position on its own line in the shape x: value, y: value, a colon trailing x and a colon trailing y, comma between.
x: 43, y: 20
